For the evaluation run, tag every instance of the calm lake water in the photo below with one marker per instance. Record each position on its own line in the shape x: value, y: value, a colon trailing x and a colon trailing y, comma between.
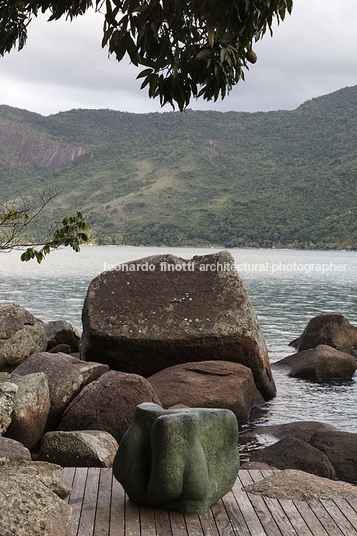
x: 287, y: 289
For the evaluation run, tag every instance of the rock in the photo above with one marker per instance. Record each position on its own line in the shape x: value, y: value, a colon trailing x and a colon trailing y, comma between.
x: 8, y: 392
x: 303, y: 430
x: 331, y: 329
x: 87, y: 448
x: 108, y: 404
x: 11, y: 450
x: 21, y: 335
x: 293, y: 453
x: 298, y: 485
x: 60, y: 349
x: 30, y: 410
x: 184, y: 460
x: 62, y: 332
x: 319, y: 364
x: 163, y: 310
x: 27, y: 504
x: 256, y: 466
x: 66, y: 376
x: 49, y: 474
x: 208, y: 384
x: 341, y: 449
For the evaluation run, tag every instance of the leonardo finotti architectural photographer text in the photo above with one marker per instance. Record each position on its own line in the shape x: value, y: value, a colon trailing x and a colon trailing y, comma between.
x: 227, y: 267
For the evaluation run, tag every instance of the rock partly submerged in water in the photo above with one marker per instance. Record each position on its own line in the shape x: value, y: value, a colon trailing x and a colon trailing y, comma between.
x: 331, y: 329
x: 293, y: 453
x: 163, y: 310
x: 319, y: 364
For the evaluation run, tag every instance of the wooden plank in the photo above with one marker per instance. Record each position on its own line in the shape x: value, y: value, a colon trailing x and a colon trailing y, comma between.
x: 193, y: 525
x: 102, y: 515
x: 117, y: 509
x: 324, y: 518
x: 132, y: 518
x: 265, y: 516
x: 178, y: 524
x: 69, y: 474
x: 89, y: 505
x: 235, y: 515
x: 76, y: 499
x: 250, y: 516
x: 208, y: 524
x: 275, y: 508
x: 162, y: 522
x: 147, y: 521
x: 295, y: 517
x: 340, y: 519
x: 346, y: 508
x: 280, y: 517
x: 310, y: 518
x: 221, y: 518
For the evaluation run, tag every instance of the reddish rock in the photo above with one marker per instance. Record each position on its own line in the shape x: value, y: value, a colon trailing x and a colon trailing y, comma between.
x: 66, y: 376
x: 341, y: 449
x: 331, y: 329
x: 60, y: 332
x: 108, y: 404
x: 208, y: 384
x: 293, y: 453
x: 163, y: 310
x: 319, y: 364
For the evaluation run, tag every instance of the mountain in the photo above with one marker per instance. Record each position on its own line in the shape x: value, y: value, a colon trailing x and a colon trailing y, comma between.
x: 282, y: 178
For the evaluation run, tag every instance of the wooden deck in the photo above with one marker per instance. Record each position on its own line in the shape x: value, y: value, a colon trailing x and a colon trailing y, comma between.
x: 101, y: 508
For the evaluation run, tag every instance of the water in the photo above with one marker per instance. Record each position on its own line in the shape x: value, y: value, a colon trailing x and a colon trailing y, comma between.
x: 287, y: 289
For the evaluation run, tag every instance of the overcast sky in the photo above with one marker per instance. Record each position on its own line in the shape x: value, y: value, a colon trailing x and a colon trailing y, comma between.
x: 312, y: 53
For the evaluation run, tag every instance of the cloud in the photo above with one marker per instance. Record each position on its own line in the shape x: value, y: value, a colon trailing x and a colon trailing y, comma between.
x: 313, y: 52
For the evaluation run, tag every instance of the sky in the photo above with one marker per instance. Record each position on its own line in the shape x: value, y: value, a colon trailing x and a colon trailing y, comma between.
x: 63, y: 66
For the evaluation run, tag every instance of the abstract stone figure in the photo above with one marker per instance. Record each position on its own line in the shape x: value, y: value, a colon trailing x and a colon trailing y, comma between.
x: 181, y: 459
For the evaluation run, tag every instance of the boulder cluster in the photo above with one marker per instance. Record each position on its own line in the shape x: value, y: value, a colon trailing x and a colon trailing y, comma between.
x: 160, y: 330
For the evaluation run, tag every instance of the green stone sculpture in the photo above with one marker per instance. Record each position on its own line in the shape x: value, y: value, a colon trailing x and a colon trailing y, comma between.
x: 181, y: 459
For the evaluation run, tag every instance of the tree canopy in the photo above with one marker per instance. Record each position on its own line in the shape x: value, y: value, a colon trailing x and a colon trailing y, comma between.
x: 189, y: 49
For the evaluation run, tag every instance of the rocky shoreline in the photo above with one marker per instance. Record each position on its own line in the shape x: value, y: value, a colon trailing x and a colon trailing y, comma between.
x: 182, y: 338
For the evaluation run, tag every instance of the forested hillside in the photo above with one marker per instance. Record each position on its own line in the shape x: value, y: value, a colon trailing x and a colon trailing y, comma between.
x: 284, y: 178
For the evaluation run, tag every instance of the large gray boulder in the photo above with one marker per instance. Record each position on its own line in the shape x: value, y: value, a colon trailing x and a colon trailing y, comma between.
x: 331, y: 329
x: 30, y: 409
x: 182, y: 459
x: 163, y: 310
x: 108, y: 404
x: 30, y: 502
x: 21, y: 335
x: 80, y: 448
x: 66, y: 376
x: 208, y: 384
x: 319, y: 364
x: 341, y: 449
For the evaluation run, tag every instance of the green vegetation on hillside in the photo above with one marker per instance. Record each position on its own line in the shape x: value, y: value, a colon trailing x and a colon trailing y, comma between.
x: 284, y: 178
